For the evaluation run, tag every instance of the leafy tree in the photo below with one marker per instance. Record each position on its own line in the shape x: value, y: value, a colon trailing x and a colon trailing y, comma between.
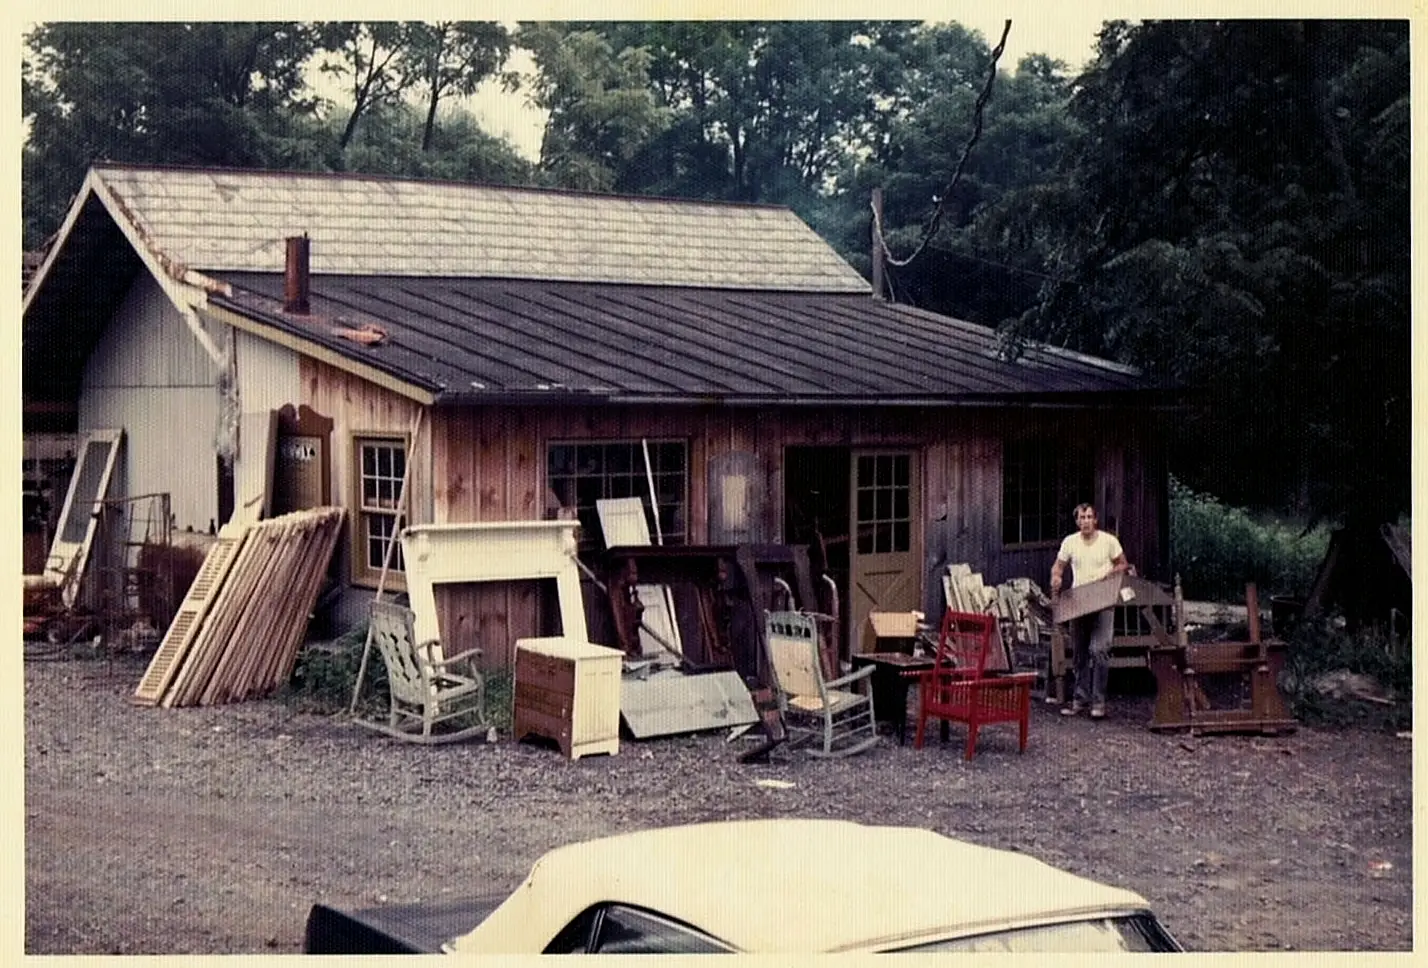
x: 225, y: 94
x: 367, y: 58
x: 986, y: 261
x: 451, y: 58
x: 601, y: 109
x: 1242, y: 190
x: 388, y: 144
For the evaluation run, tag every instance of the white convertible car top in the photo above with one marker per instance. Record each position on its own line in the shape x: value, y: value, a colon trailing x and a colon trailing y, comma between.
x: 790, y: 885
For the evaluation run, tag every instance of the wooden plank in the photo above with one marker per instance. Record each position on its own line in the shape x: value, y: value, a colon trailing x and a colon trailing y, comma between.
x: 201, y: 656
x: 290, y: 624
x: 184, y: 628
x: 291, y: 598
x: 294, y: 598
x: 218, y: 652
x: 328, y: 545
x: 238, y: 597
x: 259, y: 622
x: 293, y: 606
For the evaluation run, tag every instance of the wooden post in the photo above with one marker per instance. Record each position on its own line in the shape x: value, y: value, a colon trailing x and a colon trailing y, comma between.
x: 878, y: 267
x: 397, y: 523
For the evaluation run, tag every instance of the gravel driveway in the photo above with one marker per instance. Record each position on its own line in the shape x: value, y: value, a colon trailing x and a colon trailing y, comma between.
x: 212, y: 830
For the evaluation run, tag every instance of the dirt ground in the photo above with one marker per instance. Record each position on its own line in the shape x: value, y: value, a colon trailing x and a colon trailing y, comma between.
x: 213, y: 830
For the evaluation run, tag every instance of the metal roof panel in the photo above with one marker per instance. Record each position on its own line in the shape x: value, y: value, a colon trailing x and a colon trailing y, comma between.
x: 516, y: 336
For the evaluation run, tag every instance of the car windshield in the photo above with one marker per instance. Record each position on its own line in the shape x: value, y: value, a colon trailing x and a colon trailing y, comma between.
x: 1133, y: 933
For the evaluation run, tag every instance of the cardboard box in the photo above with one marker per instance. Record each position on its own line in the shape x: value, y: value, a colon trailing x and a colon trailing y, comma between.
x: 1091, y: 597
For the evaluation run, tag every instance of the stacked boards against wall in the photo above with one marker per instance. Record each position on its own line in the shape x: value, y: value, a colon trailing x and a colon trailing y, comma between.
x: 237, y: 633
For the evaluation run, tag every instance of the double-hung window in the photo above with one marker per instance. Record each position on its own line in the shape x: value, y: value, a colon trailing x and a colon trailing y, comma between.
x: 1042, y: 482
x: 380, y: 464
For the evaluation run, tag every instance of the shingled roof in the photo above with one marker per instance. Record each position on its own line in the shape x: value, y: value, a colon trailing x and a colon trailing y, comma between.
x: 224, y: 220
x: 470, y: 293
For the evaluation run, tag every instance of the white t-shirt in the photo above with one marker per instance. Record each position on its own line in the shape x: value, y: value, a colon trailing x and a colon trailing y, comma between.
x: 1089, y: 560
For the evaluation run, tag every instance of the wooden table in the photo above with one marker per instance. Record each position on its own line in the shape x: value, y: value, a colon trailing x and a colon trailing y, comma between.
x: 890, y: 681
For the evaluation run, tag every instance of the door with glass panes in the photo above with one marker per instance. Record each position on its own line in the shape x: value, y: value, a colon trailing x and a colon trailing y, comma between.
x: 885, y: 572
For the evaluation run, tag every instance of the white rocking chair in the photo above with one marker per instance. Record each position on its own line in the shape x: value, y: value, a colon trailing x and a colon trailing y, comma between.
x: 830, y: 712
x: 424, y: 691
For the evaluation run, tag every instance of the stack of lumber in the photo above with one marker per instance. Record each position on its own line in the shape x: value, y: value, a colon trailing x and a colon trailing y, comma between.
x: 965, y: 590
x: 1019, y: 604
x: 237, y: 633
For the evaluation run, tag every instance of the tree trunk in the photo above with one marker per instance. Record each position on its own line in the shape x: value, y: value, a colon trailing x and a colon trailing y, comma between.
x: 350, y: 128
x: 430, y: 118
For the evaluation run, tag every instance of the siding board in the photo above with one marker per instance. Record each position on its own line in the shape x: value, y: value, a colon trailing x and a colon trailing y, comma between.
x: 149, y: 376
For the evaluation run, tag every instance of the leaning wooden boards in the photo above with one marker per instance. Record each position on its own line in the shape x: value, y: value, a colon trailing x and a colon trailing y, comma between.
x: 239, y: 629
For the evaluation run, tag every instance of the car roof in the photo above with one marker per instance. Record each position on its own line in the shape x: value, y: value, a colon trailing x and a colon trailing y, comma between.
x: 796, y: 886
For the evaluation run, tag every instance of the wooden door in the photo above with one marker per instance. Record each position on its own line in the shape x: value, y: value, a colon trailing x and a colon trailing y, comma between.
x: 88, y: 487
x: 886, y: 542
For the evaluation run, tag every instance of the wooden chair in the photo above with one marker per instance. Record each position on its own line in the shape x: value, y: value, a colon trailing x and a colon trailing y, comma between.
x: 959, y: 688
x: 423, y: 689
x: 813, y: 707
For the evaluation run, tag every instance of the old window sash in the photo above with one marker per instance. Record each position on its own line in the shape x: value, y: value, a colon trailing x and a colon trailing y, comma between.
x: 579, y: 473
x: 378, y: 465
x: 1044, y: 477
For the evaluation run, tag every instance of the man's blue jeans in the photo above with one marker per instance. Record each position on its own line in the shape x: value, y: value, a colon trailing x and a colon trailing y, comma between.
x: 1091, y: 637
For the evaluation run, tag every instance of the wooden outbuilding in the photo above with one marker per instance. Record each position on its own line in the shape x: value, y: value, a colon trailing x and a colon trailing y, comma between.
x: 272, y: 340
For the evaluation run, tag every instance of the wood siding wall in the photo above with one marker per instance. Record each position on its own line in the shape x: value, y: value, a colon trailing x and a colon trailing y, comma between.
x: 151, y: 377
x: 358, y: 407
x: 488, y: 464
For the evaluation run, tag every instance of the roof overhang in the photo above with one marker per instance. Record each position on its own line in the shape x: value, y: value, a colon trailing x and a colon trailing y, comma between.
x: 293, y: 339
x: 184, y: 287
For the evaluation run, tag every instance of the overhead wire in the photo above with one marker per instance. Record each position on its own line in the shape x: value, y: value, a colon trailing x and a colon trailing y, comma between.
x: 936, y: 220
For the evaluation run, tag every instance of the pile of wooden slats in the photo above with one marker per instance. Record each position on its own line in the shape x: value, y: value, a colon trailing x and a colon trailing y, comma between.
x: 238, y: 631
x: 1021, y: 607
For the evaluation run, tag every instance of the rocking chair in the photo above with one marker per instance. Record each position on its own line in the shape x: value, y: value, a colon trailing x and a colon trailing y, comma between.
x: 423, y: 689
x: 815, y: 708
x: 959, y: 688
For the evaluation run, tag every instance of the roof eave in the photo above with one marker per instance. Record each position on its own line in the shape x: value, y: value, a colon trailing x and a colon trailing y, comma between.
x: 224, y: 311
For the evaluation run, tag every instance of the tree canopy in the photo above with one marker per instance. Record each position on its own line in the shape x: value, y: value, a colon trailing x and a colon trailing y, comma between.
x: 1221, y: 203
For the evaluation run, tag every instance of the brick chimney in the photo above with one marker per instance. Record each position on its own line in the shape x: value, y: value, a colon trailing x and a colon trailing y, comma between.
x: 297, y: 286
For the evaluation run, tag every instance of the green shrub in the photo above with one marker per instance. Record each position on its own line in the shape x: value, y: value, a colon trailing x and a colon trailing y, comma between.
x: 499, y: 698
x: 1322, y: 647
x: 325, y: 673
x: 1217, y: 549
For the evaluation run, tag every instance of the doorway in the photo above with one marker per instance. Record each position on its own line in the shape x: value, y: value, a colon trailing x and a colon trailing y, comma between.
x: 860, y: 513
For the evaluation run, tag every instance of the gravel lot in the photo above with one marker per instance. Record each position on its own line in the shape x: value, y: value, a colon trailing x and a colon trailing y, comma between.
x: 213, y: 830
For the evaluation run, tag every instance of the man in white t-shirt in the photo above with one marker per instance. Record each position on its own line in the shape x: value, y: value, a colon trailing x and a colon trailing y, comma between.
x: 1093, y: 554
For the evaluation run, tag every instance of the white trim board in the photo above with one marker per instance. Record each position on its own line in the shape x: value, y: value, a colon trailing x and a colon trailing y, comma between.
x: 491, y: 551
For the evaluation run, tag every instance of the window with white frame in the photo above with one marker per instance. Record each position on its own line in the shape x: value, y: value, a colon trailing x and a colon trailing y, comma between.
x: 381, y: 463
x: 1043, y: 480
x: 580, y: 473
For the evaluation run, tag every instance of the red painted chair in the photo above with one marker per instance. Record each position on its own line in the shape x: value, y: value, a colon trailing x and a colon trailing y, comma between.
x: 958, y: 688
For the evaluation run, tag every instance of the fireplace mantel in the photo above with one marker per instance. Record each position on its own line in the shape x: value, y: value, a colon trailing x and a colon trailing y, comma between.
x: 491, y: 551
